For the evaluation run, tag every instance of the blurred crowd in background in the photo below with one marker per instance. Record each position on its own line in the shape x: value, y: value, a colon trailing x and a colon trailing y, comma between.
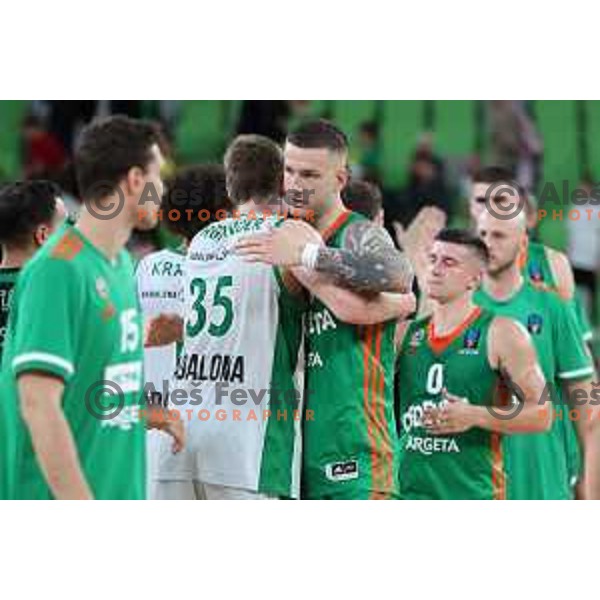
x: 418, y: 152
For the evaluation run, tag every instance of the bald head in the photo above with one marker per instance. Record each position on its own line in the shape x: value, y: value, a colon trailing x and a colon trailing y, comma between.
x: 503, y: 238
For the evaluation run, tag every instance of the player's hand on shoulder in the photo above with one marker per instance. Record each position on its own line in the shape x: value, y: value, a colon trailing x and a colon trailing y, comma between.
x: 282, y: 246
x: 163, y: 330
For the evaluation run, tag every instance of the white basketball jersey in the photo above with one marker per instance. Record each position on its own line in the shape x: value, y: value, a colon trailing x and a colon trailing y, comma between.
x: 160, y: 288
x: 243, y: 332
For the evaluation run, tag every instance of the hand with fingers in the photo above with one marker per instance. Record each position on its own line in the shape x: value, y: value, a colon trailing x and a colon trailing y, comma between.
x: 164, y: 329
x: 282, y: 246
x: 176, y: 429
x: 421, y: 232
x: 453, y: 415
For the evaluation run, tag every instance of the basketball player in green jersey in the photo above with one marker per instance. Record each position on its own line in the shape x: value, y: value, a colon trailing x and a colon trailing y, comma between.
x: 451, y: 365
x: 541, y: 264
x: 56, y: 364
x: 350, y: 447
x: 537, y: 464
x: 29, y: 213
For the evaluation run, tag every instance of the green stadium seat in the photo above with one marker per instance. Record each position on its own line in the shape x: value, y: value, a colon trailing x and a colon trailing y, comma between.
x: 401, y: 123
x: 349, y: 115
x: 455, y: 127
x: 12, y: 113
x: 592, y: 136
x: 201, y: 132
x: 556, y: 121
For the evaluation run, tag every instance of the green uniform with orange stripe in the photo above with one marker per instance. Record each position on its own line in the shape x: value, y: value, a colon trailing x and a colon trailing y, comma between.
x: 465, y: 466
x: 349, y: 448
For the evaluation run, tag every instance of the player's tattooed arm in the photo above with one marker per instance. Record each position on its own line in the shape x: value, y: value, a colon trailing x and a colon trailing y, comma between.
x: 354, y: 307
x: 367, y: 262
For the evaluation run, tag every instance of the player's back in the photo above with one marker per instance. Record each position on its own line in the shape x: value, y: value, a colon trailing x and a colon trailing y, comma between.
x: 242, y: 338
x: 160, y: 289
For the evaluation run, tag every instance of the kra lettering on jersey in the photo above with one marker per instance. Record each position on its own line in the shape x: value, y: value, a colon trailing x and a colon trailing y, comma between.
x: 431, y: 444
x: 319, y: 321
x: 218, y: 367
x: 166, y: 268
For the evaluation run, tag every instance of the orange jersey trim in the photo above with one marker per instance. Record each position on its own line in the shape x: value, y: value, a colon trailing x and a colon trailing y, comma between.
x: 337, y: 223
x: 498, y: 475
x: 439, y: 343
x: 523, y: 253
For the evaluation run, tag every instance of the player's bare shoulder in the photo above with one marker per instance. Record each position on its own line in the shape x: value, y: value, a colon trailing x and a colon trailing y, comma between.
x: 562, y: 271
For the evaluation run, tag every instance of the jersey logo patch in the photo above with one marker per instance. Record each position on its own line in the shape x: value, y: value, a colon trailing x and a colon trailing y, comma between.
x: 68, y: 247
x: 102, y: 288
x: 342, y: 471
x: 472, y: 337
x: 535, y: 272
x: 471, y: 341
x: 534, y: 324
x: 109, y: 310
x: 416, y: 340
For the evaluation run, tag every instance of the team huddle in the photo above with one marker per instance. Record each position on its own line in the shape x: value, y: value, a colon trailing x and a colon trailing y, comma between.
x: 287, y: 349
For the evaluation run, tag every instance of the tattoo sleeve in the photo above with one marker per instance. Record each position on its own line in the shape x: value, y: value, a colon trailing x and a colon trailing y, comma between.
x: 367, y: 262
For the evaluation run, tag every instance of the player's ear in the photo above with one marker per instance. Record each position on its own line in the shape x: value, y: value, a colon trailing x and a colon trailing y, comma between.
x: 41, y: 234
x: 134, y: 181
x: 343, y: 176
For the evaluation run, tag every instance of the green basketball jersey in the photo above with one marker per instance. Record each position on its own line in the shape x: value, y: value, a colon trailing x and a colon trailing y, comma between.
x: 350, y: 445
x: 8, y: 279
x: 537, y: 464
x: 75, y: 316
x: 465, y: 466
x: 537, y: 268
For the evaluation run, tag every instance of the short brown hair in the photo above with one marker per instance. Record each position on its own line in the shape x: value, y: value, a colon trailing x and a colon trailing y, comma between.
x: 319, y: 134
x: 363, y: 197
x: 198, y: 187
x: 253, y: 169
x: 108, y: 148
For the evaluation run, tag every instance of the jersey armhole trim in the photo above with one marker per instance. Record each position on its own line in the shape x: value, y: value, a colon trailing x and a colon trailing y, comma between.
x: 42, y: 361
x: 577, y: 373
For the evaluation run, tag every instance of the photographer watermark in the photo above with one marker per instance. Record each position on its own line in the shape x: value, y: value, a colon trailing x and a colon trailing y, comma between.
x: 105, y: 201
x: 506, y: 200
x: 105, y: 401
